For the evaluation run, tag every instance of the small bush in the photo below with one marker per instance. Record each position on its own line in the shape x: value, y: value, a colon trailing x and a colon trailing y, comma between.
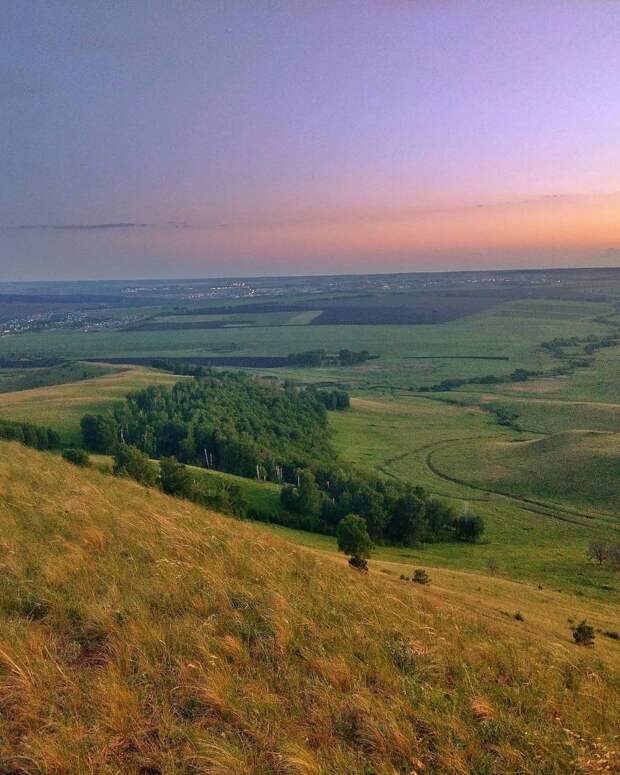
x: 611, y: 634
x: 420, y: 576
x: 131, y: 462
x: 583, y: 634
x: 468, y: 528
x: 79, y: 457
x: 359, y: 563
x: 519, y: 616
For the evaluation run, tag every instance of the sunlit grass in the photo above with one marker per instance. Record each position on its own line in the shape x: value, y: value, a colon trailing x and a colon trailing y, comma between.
x: 143, y: 634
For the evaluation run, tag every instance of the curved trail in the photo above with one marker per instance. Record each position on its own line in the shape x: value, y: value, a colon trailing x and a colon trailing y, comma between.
x: 430, y: 445
x: 550, y: 509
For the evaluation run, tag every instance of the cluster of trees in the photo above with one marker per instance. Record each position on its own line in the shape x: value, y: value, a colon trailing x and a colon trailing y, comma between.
x: 554, y: 347
x: 228, y: 421
x: 334, y: 400
x: 183, y: 369
x: 505, y: 416
x: 232, y: 422
x: 391, y: 511
x: 602, y: 552
x: 311, y: 358
x: 518, y: 375
x: 590, y: 344
x: 177, y: 479
x: 31, y: 435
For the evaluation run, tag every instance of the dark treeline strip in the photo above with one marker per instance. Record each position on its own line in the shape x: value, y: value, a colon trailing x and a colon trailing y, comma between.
x: 456, y: 358
x: 312, y: 358
x: 241, y: 361
x: 30, y: 363
x: 169, y: 325
x: 235, y: 423
x: 246, y: 309
x: 35, y: 436
x: 518, y: 375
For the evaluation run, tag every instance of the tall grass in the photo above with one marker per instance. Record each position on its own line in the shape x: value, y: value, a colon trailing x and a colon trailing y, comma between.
x: 142, y: 634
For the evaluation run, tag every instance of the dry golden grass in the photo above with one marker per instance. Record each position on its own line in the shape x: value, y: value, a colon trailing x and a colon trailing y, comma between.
x: 141, y: 634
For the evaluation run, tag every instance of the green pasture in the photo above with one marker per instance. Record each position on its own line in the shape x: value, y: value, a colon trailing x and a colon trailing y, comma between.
x: 421, y: 440
x: 408, y: 355
x: 576, y: 469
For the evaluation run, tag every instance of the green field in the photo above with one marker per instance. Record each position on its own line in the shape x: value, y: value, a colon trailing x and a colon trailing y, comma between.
x: 409, y: 355
x: 432, y: 443
x: 573, y: 469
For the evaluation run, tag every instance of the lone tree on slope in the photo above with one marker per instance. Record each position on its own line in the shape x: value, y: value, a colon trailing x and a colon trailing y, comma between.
x: 353, y: 539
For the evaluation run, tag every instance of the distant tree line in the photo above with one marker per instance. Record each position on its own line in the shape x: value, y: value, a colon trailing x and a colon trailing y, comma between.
x: 31, y: 435
x: 518, y: 375
x: 554, y: 347
x: 590, y: 344
x: 313, y: 358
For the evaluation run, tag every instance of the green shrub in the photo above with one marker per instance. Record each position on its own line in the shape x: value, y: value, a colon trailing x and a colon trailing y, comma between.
x: 129, y: 461
x: 77, y: 456
x: 353, y: 538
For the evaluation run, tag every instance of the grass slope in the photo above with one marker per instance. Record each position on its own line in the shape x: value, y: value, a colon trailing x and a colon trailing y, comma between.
x: 62, y: 406
x: 579, y: 469
x: 144, y: 635
x: 432, y: 443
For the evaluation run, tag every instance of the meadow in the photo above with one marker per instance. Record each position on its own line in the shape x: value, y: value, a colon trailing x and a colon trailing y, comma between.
x: 141, y: 633
x: 430, y: 443
x: 62, y: 406
x: 409, y: 355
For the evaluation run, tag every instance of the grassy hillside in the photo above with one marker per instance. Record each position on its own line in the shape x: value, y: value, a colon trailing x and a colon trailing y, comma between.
x: 140, y: 634
x: 262, y: 496
x: 575, y: 468
x: 433, y: 443
x: 62, y: 406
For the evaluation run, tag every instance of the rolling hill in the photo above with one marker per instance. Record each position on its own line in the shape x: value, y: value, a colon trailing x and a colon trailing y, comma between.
x: 578, y: 469
x: 142, y: 634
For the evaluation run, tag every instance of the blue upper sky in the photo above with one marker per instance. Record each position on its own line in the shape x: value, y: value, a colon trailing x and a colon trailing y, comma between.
x: 227, y: 138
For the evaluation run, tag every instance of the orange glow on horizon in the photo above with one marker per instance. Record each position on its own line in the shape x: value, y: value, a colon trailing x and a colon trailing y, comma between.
x: 588, y: 224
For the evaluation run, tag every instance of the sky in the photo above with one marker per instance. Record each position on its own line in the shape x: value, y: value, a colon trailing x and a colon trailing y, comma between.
x: 187, y: 138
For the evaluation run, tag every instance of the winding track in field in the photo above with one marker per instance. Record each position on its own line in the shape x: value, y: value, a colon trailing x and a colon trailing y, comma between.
x: 545, y: 508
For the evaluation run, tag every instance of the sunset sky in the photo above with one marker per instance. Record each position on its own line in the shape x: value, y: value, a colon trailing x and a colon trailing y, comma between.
x: 191, y: 139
